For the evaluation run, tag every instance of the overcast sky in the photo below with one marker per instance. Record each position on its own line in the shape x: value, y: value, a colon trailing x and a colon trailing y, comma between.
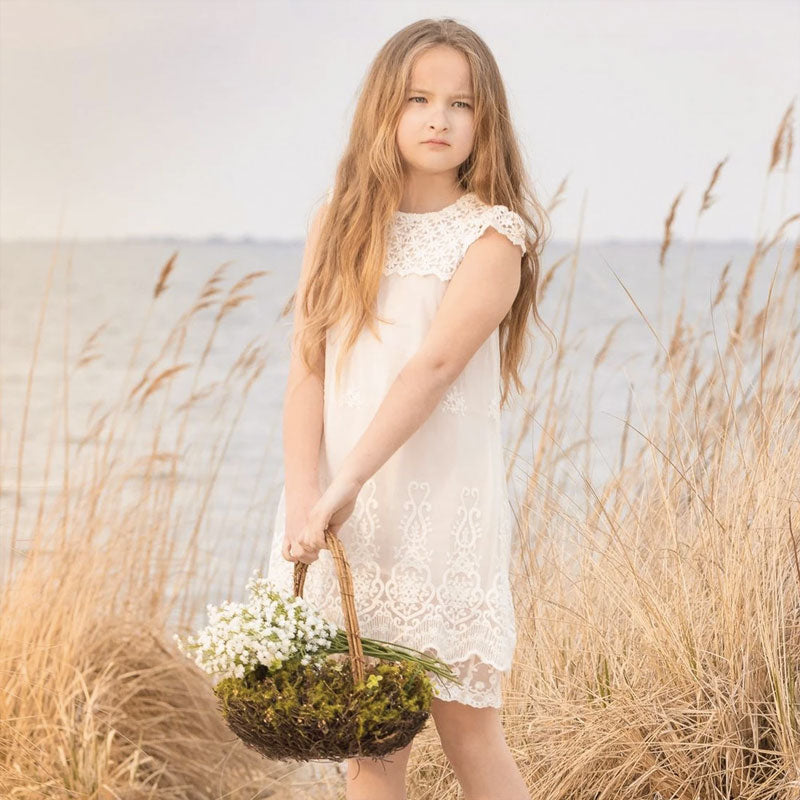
x: 227, y: 117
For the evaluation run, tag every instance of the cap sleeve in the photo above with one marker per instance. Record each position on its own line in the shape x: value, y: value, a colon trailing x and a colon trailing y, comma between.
x: 502, y: 219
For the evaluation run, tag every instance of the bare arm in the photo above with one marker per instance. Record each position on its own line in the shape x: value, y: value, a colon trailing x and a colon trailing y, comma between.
x: 480, y: 294
x: 302, y: 407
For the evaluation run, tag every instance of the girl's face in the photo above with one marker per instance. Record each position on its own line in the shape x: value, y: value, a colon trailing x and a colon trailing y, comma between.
x: 438, y: 105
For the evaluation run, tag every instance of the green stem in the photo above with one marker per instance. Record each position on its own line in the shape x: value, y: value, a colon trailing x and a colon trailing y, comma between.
x: 389, y: 651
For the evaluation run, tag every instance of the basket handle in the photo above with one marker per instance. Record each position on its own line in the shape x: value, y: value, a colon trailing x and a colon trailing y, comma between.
x: 348, y: 603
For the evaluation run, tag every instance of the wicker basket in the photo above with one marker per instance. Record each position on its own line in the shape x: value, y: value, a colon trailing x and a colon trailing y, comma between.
x: 329, y: 711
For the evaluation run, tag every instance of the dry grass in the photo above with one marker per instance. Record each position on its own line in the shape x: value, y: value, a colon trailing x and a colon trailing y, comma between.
x: 659, y: 623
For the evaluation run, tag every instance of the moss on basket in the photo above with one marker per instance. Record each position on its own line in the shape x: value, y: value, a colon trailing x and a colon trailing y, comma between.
x: 305, y: 712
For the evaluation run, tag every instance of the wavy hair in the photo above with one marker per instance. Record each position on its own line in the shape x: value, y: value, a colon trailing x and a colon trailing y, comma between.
x: 344, y: 278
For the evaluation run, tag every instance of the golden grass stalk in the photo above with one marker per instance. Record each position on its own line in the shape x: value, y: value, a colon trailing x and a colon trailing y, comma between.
x: 658, y: 610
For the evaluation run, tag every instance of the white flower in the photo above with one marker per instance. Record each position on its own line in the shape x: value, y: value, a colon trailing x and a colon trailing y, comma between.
x: 269, y: 629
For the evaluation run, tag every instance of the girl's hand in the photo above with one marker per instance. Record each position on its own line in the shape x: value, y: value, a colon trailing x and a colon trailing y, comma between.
x: 331, y: 511
x: 298, y: 506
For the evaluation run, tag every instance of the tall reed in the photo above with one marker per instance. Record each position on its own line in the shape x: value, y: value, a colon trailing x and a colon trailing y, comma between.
x: 659, y: 619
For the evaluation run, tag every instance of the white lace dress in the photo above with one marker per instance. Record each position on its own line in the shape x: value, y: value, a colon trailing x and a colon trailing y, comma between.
x: 429, y: 541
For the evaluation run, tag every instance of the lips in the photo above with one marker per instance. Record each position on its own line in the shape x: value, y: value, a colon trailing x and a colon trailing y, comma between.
x: 434, y: 141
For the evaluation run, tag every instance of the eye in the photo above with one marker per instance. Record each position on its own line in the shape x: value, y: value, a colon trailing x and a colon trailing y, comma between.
x: 419, y: 97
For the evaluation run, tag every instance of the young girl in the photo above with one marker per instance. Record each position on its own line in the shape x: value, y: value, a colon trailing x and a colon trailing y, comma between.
x: 415, y: 290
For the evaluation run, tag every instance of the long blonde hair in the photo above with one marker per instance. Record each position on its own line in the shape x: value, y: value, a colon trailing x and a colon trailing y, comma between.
x: 369, y: 184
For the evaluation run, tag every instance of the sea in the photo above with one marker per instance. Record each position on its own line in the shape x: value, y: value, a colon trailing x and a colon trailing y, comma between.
x: 85, y: 310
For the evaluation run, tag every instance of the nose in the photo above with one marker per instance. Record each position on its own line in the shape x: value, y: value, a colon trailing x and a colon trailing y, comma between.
x: 438, y: 120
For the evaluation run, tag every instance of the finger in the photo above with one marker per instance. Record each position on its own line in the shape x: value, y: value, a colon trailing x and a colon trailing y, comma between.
x: 309, y: 543
x: 330, y: 528
x: 308, y: 547
x: 314, y: 539
x: 290, y: 546
x: 322, y: 543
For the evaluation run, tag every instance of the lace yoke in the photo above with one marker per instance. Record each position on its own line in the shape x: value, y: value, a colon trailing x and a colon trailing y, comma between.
x: 429, y: 541
x: 433, y: 243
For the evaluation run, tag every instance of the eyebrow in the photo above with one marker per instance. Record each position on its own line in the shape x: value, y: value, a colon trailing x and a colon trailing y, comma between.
x: 457, y: 94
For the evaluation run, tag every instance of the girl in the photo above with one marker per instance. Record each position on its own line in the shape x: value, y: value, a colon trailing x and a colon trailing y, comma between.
x: 416, y: 286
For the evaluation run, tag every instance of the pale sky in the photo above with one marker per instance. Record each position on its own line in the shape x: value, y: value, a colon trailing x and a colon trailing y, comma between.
x: 227, y: 117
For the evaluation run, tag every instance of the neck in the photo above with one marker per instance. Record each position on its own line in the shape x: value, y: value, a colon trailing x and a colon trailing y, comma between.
x: 420, y: 199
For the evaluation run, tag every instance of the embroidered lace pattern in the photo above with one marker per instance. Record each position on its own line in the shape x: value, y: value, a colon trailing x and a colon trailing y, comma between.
x: 429, y: 539
x: 434, y: 243
x: 463, y: 619
x: 454, y: 401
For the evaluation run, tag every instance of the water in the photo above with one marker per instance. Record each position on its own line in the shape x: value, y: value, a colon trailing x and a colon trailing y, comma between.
x: 112, y: 282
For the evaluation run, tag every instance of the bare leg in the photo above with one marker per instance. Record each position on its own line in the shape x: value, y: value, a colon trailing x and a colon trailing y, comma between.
x: 475, y: 744
x: 370, y: 778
